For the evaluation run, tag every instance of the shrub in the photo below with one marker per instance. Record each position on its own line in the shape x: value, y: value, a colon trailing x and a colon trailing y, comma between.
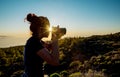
x: 77, y: 74
x: 55, y: 75
x: 64, y: 74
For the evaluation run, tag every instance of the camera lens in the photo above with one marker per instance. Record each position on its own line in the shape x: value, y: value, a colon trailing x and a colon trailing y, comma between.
x: 63, y: 30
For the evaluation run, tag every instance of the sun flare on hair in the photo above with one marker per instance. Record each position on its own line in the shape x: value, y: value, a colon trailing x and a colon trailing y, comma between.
x: 50, y: 29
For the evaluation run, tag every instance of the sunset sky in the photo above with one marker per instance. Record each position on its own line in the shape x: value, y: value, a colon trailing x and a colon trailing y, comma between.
x: 80, y: 17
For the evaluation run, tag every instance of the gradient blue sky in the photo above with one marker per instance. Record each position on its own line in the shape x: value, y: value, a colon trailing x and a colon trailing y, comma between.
x: 80, y: 17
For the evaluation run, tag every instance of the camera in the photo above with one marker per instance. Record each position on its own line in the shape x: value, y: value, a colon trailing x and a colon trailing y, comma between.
x: 59, y: 31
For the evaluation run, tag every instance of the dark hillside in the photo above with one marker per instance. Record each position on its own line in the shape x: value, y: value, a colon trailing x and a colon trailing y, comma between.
x: 78, y: 54
x: 100, y: 44
x: 108, y: 63
x: 11, y: 61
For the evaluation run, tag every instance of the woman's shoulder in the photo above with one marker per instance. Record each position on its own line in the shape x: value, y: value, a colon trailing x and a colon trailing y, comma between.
x: 34, y: 43
x: 32, y: 40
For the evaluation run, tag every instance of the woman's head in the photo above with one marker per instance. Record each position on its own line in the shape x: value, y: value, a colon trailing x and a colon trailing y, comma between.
x: 39, y: 25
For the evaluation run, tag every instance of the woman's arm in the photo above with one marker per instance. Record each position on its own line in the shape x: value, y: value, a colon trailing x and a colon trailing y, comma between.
x: 50, y: 58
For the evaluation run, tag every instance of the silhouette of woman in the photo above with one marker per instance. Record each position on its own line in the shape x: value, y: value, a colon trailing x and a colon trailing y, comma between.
x: 36, y: 52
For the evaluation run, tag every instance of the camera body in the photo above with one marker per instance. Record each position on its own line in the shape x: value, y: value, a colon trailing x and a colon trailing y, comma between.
x: 59, y: 31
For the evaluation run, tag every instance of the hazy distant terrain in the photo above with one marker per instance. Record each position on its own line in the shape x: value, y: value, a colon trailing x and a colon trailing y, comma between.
x: 7, y: 41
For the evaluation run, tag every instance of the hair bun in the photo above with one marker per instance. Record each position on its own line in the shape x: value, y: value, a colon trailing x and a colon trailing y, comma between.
x: 30, y: 17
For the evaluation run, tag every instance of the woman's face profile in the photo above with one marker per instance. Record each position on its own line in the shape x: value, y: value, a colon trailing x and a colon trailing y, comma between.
x: 44, y: 31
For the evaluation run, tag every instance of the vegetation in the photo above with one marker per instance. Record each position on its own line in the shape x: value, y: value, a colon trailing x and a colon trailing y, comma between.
x: 11, y: 61
x: 97, y: 56
x: 55, y: 75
